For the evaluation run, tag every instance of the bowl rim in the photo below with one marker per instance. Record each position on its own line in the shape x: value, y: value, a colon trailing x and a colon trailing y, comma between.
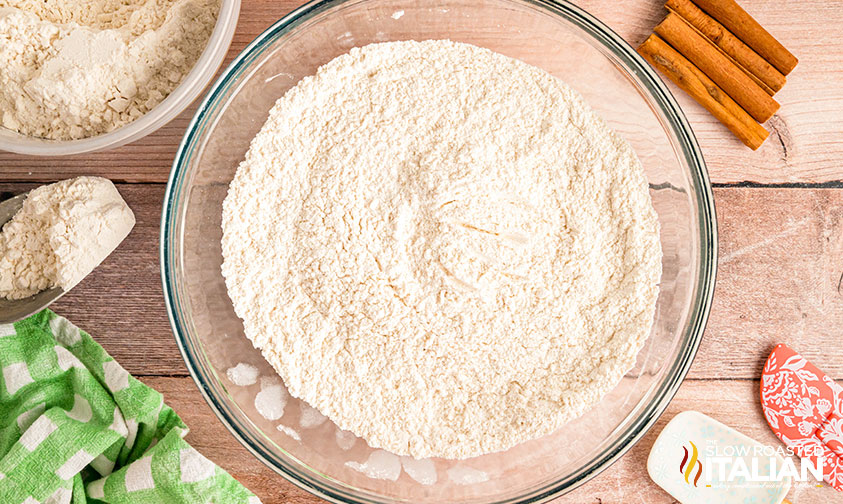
x: 175, y: 103
x: 697, y: 318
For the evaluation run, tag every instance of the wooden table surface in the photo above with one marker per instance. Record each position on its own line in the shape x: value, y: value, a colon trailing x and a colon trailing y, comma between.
x: 780, y: 278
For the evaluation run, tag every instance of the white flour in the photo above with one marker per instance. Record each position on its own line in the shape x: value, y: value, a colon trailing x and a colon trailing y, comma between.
x: 242, y: 374
x: 310, y: 417
x: 380, y: 465
x: 466, y: 475
x: 423, y: 471
x: 73, y: 69
x: 271, y: 400
x: 290, y: 432
x: 60, y: 234
x: 442, y: 249
x: 345, y: 440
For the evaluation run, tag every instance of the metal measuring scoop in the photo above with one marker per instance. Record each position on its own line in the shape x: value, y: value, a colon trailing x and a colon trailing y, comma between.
x: 18, y: 309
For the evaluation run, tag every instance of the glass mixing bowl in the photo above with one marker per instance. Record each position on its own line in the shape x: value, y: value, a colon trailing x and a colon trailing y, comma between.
x: 558, y: 37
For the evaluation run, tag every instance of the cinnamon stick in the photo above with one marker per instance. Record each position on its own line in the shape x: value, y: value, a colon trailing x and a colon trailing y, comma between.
x: 739, y: 22
x: 704, y: 54
x: 757, y: 67
x: 702, y: 89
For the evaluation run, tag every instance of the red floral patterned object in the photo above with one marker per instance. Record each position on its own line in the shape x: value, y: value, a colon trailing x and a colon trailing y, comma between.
x: 804, y: 407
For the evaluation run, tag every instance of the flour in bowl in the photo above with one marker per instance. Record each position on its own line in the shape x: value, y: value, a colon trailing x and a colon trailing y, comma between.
x: 72, y: 69
x: 442, y: 249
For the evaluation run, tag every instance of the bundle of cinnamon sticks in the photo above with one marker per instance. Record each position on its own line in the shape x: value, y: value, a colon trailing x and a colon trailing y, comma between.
x: 717, y: 53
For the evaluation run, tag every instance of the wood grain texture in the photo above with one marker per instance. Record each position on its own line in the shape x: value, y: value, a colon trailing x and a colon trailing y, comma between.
x: 779, y: 280
x: 733, y: 402
x: 805, y: 144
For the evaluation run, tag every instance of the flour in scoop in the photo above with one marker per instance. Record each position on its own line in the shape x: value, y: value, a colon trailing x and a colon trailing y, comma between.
x: 61, y: 233
x: 442, y: 249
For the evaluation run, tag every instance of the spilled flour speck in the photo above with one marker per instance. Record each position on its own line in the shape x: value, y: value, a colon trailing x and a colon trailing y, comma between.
x: 380, y: 465
x: 423, y: 471
x: 242, y: 374
x: 271, y: 399
x: 290, y: 432
x: 462, y: 475
x: 345, y: 439
x: 310, y: 417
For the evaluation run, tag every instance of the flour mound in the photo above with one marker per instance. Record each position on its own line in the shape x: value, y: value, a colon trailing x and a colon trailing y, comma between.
x: 442, y: 249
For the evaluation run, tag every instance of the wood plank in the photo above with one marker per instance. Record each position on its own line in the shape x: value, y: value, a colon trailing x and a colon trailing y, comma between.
x: 778, y: 281
x: 805, y: 144
x: 733, y: 402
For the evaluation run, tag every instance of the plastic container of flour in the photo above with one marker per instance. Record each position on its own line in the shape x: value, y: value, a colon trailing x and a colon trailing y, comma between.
x: 190, y: 88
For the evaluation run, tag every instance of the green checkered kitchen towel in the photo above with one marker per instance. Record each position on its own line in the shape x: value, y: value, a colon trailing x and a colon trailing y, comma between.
x: 76, y: 428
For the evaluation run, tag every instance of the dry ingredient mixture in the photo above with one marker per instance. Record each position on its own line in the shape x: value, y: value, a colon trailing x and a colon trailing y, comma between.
x: 442, y: 249
x: 60, y: 234
x: 74, y: 69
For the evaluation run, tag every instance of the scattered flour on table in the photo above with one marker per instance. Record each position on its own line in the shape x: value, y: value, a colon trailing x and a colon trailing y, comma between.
x: 442, y: 249
x: 61, y: 233
x: 73, y: 69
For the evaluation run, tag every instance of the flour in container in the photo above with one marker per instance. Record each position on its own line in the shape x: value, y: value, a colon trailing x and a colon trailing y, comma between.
x: 72, y: 69
x: 442, y: 249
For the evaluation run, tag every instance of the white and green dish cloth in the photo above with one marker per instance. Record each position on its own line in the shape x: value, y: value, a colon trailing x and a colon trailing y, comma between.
x: 75, y: 427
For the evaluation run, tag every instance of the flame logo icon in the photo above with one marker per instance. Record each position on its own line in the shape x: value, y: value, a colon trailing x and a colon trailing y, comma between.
x: 686, y: 467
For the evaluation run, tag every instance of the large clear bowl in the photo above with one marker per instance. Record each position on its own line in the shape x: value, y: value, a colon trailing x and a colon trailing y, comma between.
x: 555, y: 36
